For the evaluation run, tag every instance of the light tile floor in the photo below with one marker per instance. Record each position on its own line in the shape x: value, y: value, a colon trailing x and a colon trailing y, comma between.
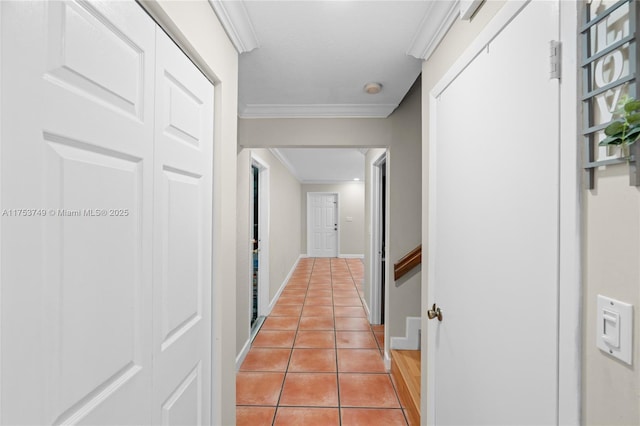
x: 317, y: 360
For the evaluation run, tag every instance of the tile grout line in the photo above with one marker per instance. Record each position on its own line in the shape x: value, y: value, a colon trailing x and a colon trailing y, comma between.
x: 335, y: 344
x: 295, y: 335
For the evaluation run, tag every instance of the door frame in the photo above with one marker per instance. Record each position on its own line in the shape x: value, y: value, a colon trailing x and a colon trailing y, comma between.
x: 569, y: 271
x: 263, y: 235
x: 337, y: 211
x: 376, y: 308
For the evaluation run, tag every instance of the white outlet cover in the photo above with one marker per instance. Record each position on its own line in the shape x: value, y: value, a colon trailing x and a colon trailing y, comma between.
x: 615, y: 328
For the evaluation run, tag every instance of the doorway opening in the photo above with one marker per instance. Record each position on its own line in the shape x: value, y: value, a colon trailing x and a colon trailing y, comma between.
x: 378, y: 241
x: 255, y: 261
x: 259, y: 232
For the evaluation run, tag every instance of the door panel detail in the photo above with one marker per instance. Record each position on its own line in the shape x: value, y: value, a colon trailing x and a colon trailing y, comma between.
x: 184, y: 406
x: 88, y: 54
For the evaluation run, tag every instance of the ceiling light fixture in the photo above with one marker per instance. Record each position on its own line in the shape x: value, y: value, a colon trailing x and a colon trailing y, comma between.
x: 372, y: 88
x: 356, y: 179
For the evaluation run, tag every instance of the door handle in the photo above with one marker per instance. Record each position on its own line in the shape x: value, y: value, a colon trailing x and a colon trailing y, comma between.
x: 435, y: 312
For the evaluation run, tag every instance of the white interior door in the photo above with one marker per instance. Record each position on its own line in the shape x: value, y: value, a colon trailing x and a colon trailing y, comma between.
x: 493, y: 232
x: 323, y: 225
x: 77, y: 132
x: 98, y: 325
x: 182, y: 239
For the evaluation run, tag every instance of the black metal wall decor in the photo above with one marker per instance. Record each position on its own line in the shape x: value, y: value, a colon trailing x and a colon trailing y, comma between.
x: 609, y: 68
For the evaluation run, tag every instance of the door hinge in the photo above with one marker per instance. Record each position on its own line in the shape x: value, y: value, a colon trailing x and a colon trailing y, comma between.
x: 554, y: 59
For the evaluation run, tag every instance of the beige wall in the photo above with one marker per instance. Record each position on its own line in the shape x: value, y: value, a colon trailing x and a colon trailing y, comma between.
x: 284, y: 232
x: 404, y: 194
x: 351, y: 204
x: 318, y: 132
x: 611, y: 267
x: 195, y: 27
x: 400, y: 133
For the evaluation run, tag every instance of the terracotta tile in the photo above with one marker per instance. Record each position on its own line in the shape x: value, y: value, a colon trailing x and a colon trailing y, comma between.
x: 355, y: 340
x: 290, y: 300
x: 316, y: 323
x: 315, y: 339
x: 367, y: 390
x: 310, y: 389
x: 258, y: 388
x: 254, y: 416
x: 319, y: 293
x: 345, y: 293
x: 360, y: 361
x: 274, y: 339
x: 292, y: 416
x: 318, y: 301
x: 293, y: 291
x: 394, y: 382
x: 313, y: 361
x: 349, y: 311
x: 347, y: 301
x: 347, y: 323
x: 266, y: 359
x: 379, y: 338
x: 341, y: 277
x: 372, y: 417
x: 286, y: 311
x: 297, y: 288
x: 280, y: 323
x: 317, y: 311
x: 320, y: 285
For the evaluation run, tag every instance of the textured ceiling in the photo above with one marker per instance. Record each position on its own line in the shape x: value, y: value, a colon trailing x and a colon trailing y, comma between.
x: 314, y: 57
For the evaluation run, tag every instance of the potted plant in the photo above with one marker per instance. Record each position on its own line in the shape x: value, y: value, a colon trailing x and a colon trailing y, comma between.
x: 625, y: 130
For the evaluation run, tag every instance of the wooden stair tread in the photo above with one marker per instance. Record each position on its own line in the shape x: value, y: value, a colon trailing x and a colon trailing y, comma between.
x: 405, y: 370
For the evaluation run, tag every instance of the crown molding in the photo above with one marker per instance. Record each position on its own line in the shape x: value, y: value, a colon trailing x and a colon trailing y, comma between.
x: 276, y: 153
x: 317, y: 110
x: 236, y: 22
x: 434, y: 26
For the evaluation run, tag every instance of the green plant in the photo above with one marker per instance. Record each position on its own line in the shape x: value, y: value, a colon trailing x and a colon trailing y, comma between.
x: 625, y: 130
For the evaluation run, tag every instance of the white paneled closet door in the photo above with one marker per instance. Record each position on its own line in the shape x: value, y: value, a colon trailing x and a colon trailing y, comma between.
x: 182, y: 239
x: 89, y: 317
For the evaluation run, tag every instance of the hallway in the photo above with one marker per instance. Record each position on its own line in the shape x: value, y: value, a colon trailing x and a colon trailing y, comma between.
x: 317, y: 360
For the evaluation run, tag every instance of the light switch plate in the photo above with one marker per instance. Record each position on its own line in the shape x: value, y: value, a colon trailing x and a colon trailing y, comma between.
x: 615, y: 328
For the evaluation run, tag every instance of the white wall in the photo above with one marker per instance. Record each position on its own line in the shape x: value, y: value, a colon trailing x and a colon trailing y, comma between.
x: 371, y: 157
x: 610, y: 252
x: 195, y: 27
x: 351, y: 204
x: 244, y: 248
x: 284, y: 232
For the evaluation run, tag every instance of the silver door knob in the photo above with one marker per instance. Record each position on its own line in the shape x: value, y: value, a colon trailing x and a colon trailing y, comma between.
x: 435, y: 312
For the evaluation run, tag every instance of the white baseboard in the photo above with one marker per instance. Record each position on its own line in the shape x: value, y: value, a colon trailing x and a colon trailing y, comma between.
x: 387, y: 361
x: 247, y: 345
x: 243, y: 354
x: 411, y: 340
x: 351, y: 256
x: 366, y: 309
x: 284, y: 284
